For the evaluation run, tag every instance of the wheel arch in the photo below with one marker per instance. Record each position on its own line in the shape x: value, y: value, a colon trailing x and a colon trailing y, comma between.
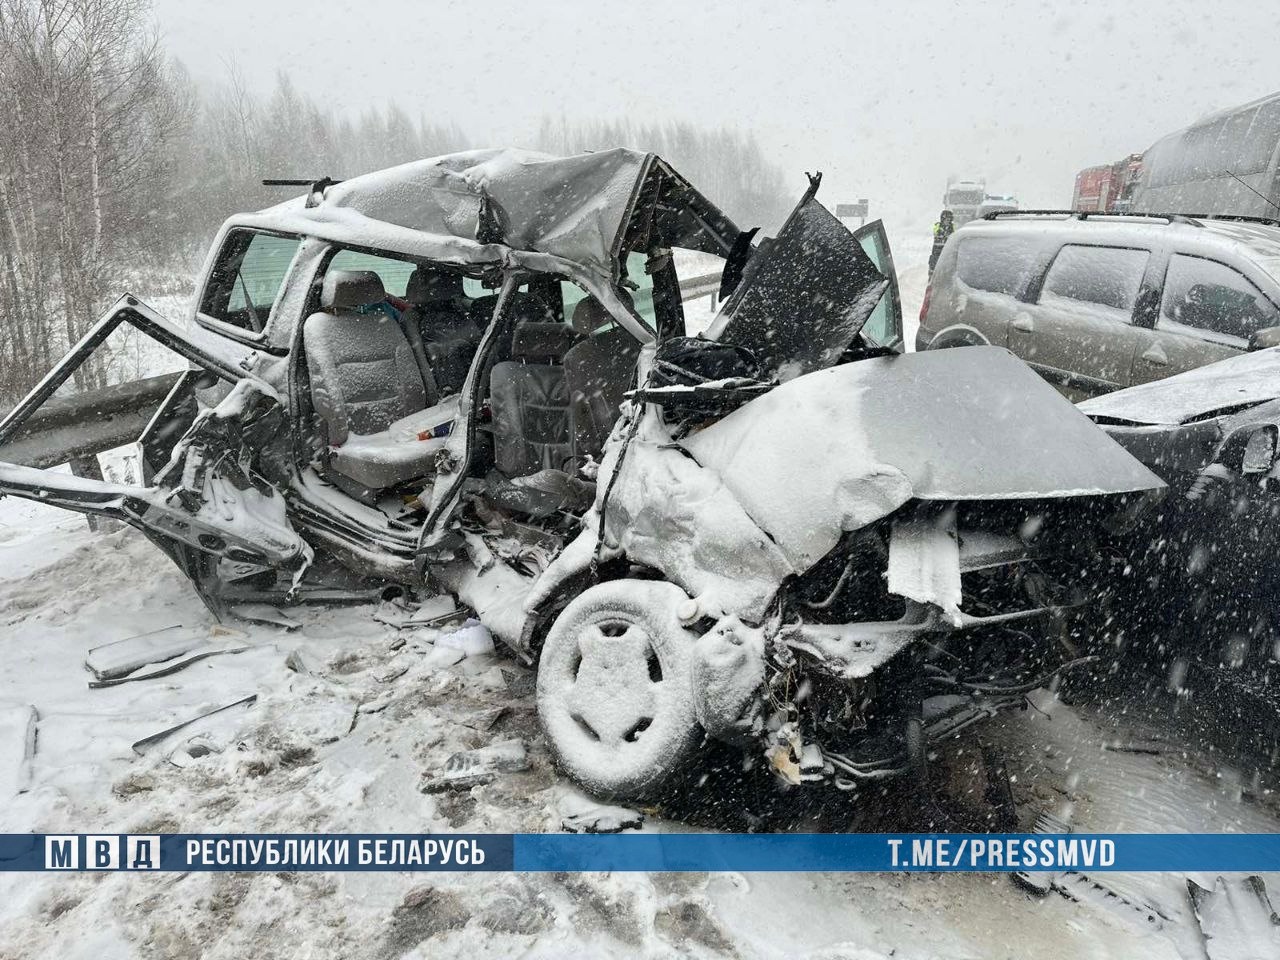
x: 959, y: 335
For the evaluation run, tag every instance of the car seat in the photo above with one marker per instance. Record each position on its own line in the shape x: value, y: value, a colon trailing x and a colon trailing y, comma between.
x: 367, y: 388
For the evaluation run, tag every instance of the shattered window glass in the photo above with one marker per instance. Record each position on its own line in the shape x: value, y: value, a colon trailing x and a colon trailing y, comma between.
x: 995, y: 264
x: 1107, y: 276
x: 1212, y: 301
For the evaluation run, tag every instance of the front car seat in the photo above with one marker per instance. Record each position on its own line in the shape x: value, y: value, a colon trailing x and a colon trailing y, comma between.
x: 440, y: 312
x: 530, y: 401
x: 598, y: 371
x: 366, y: 387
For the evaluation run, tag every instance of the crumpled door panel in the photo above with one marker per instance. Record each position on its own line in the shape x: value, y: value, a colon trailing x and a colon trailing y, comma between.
x: 804, y: 295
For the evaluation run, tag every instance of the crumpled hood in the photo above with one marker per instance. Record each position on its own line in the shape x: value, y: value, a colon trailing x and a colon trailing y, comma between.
x: 840, y: 448
x: 1238, y: 381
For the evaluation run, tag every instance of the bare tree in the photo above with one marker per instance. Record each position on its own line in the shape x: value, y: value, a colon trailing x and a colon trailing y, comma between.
x: 727, y: 164
x: 88, y: 118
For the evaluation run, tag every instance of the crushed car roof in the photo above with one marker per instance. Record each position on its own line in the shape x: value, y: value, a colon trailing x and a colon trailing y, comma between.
x: 1228, y: 384
x: 575, y: 209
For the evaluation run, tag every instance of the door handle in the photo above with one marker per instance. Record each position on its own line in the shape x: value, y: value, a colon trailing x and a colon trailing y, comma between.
x: 1156, y: 356
x: 1023, y: 323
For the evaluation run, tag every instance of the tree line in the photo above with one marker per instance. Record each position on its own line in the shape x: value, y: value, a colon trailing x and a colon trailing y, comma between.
x: 116, y: 167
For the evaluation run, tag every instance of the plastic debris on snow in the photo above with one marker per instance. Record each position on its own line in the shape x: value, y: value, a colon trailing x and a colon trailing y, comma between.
x: 583, y: 815
x: 404, y: 614
x: 192, y: 726
x: 159, y: 653
x: 472, y: 768
x: 265, y: 613
x: 1236, y: 918
x: 472, y: 639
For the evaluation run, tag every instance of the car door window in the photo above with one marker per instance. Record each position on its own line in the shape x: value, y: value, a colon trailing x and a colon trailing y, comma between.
x: 1106, y: 277
x: 247, y: 277
x: 1209, y: 300
x: 884, y: 326
x: 995, y: 264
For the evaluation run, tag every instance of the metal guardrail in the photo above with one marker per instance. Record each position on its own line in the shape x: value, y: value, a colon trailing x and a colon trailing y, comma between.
x: 64, y: 429
x: 708, y: 284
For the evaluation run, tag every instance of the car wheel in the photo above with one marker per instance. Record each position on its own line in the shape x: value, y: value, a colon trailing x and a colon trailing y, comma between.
x: 614, y: 692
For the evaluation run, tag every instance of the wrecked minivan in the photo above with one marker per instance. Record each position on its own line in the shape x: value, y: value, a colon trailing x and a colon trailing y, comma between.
x: 472, y: 374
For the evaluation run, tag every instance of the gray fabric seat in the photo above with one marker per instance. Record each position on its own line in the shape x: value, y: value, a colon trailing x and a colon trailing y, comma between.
x: 530, y: 401
x: 365, y: 379
x: 598, y: 371
x: 441, y: 314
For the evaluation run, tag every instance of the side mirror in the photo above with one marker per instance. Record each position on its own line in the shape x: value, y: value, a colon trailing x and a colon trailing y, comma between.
x: 1267, y: 337
x: 1250, y: 450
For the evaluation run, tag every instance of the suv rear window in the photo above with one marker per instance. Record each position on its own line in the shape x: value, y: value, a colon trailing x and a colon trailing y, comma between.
x: 994, y: 264
x: 1107, y: 276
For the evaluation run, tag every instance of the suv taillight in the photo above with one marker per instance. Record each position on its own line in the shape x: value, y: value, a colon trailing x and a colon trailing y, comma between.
x: 924, y: 307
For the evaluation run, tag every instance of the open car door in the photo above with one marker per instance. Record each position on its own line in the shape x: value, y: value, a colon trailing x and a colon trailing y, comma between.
x: 205, y: 502
x: 805, y: 294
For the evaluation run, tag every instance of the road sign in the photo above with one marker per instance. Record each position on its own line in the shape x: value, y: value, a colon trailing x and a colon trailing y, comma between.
x: 851, y: 210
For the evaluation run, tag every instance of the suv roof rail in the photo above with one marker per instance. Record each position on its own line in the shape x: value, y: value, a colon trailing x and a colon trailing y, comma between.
x: 1188, y: 218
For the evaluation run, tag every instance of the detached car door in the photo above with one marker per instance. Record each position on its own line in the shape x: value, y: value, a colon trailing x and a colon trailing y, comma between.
x: 1079, y: 332
x: 200, y: 497
x: 1208, y: 312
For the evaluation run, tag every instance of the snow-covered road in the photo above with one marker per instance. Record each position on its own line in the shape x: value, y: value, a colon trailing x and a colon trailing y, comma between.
x: 351, y: 714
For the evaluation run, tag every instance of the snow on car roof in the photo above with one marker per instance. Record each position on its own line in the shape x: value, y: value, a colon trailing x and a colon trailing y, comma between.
x: 573, y: 209
x: 1261, y: 239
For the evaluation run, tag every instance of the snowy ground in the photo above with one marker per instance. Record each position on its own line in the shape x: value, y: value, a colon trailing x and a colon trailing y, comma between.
x: 341, y: 740
x: 351, y: 715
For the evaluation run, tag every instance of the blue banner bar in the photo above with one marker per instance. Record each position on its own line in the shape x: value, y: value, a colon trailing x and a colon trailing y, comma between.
x: 644, y: 852
x: 1010, y: 852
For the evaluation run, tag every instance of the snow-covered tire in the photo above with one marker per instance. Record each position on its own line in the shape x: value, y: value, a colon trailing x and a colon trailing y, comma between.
x: 614, y: 692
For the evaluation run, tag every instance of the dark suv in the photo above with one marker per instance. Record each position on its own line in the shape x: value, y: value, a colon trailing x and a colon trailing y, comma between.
x: 1096, y: 302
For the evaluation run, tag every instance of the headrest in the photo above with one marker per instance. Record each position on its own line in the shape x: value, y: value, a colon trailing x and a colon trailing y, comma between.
x: 541, y: 341
x: 432, y: 286
x: 524, y: 307
x: 347, y: 289
x: 589, y: 316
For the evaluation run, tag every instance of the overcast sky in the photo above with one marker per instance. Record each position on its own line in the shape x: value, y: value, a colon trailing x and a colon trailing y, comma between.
x: 886, y: 98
